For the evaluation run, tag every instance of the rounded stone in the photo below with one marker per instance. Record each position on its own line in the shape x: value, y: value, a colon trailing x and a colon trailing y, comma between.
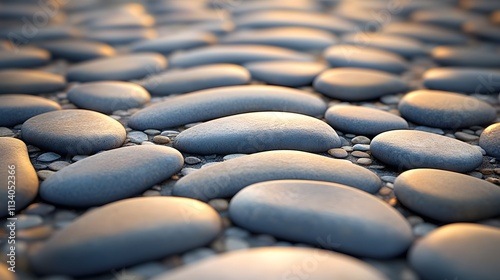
x: 286, y: 73
x: 317, y: 213
x: 17, y: 108
x: 126, y: 233
x: 425, y: 33
x: 111, y: 175
x: 357, y: 84
x: 445, y: 109
x: 29, y: 81
x: 24, y: 58
x: 363, y: 120
x: 120, y: 37
x: 467, y: 80
x: 78, y: 50
x: 490, y: 140
x: 409, y: 149
x: 401, y: 45
x: 73, y: 132
x: 174, y: 42
x: 254, y: 264
x: 466, y: 57
x: 470, y: 251
x: 227, y: 178
x: 108, y: 96
x: 122, y: 68
x: 447, y: 196
x: 256, y: 132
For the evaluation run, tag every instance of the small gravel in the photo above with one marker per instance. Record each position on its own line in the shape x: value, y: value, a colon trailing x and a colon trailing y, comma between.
x: 47, y: 157
x: 58, y: 165
x: 192, y: 160
x: 338, y: 153
x: 137, y: 137
x: 361, y: 140
x: 361, y: 147
x: 466, y: 137
x: 364, y: 161
x: 162, y: 140
x: 360, y: 154
x: 44, y: 174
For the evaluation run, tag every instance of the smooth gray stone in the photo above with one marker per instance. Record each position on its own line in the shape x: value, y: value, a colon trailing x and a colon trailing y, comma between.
x: 197, y: 78
x: 286, y: 73
x: 220, y: 102
x: 466, y: 57
x: 257, y: 132
x: 237, y: 54
x: 21, y: 178
x: 401, y: 45
x: 260, y: 6
x: 444, y: 109
x: 409, y: 149
x: 125, y: 233
x: 78, y: 50
x: 365, y: 57
x: 425, y: 33
x: 132, y: 21
x: 74, y: 132
x: 108, y: 96
x: 318, y: 212
x: 447, y: 196
x: 17, y: 108
x: 122, y: 68
x: 190, y: 17
x: 358, y: 84
x: 175, y: 42
x: 227, y: 178
x: 110, y: 176
x: 295, y: 38
x: 490, y: 140
x: 362, y: 120
x: 483, y: 31
x: 444, y: 17
x: 30, y: 81
x: 254, y: 264
x: 120, y: 36
x: 469, y: 251
x: 468, y: 80
x: 269, y: 19
x: 23, y: 58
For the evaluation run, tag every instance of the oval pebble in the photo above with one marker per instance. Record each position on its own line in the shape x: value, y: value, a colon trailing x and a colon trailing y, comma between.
x: 227, y: 178
x: 238, y: 54
x: 357, y: 84
x: 122, y: 68
x: 219, y: 102
x: 125, y: 233
x: 317, y: 212
x: 108, y: 96
x: 18, y: 175
x: 425, y: 33
x: 483, y: 31
x: 362, y: 120
x: 73, y: 132
x: 443, y: 17
x: 490, y: 140
x: 254, y: 264
x: 466, y: 57
x: 197, y: 78
x: 365, y: 57
x: 26, y: 81
x: 447, y: 196
x: 286, y: 73
x: 24, y: 58
x: 257, y: 132
x: 468, y: 80
x: 173, y: 42
x: 469, y: 251
x: 445, y: 109
x: 120, y: 37
x: 78, y: 50
x: 403, y: 46
x: 408, y: 149
x: 111, y: 176
x: 17, y: 108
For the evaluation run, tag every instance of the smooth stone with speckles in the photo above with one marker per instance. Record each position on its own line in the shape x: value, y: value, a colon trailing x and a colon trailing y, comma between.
x: 17, y: 108
x: 24, y: 81
x: 362, y: 120
x: 403, y: 46
x: 425, y: 33
x: 314, y: 212
x: 286, y: 73
x: 443, y: 109
x: 23, y: 58
x: 17, y: 174
x: 460, y: 79
x: 409, y: 149
x: 126, y: 233
x: 466, y: 57
x: 220, y: 102
x: 490, y: 140
x: 173, y: 42
x: 108, y: 96
x: 74, y: 132
x: 447, y: 196
x: 111, y: 176
x: 466, y: 251
x: 227, y: 178
x: 257, y: 132
x: 122, y: 68
x: 78, y: 50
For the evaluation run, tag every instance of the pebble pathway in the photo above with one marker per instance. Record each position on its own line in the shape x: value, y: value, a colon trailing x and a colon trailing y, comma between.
x: 307, y: 139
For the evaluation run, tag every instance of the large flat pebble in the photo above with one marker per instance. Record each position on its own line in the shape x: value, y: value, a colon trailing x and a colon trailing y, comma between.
x: 257, y: 132
x: 125, y: 233
x: 408, y: 149
x: 219, y: 102
x: 30, y: 81
x: 23, y: 58
x: 401, y: 45
x: 173, y: 42
x: 17, y: 108
x: 458, y: 79
x: 318, y: 212
x: 490, y: 140
x: 227, y: 178
x: 465, y: 57
x: 78, y: 50
x: 120, y: 37
x: 425, y: 33
x: 73, y: 132
x: 286, y: 73
x: 111, y: 176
